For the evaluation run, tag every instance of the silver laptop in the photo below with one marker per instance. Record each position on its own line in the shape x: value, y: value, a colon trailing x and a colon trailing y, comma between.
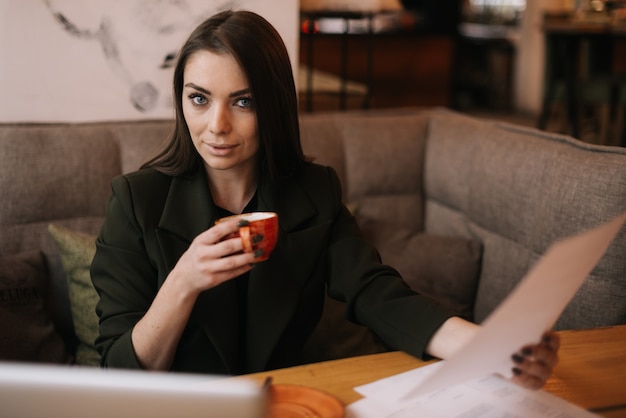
x: 29, y: 390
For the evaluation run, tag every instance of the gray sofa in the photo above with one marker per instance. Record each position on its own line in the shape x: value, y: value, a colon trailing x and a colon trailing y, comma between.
x: 462, y: 207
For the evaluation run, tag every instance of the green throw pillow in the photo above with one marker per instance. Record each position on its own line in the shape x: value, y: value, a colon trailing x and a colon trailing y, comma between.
x: 77, y: 250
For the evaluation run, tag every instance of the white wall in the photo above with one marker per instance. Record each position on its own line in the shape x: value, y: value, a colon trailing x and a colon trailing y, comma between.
x: 529, y: 64
x: 105, y: 61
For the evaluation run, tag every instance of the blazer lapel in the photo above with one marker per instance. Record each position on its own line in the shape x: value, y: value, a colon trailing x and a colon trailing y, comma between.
x: 188, y: 211
x: 273, y: 289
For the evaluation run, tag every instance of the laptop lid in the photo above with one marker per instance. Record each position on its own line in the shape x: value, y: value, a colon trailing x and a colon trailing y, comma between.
x: 30, y: 390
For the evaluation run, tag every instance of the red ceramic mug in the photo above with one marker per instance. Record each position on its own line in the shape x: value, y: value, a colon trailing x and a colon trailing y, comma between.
x: 259, y: 223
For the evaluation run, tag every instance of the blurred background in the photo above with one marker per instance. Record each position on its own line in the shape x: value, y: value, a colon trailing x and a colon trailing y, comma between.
x: 556, y: 64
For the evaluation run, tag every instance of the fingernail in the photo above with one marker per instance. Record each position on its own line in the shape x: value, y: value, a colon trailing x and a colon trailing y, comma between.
x: 243, y: 222
x: 257, y: 238
x: 516, y: 371
x: 517, y: 358
x: 527, y: 351
x: 258, y: 253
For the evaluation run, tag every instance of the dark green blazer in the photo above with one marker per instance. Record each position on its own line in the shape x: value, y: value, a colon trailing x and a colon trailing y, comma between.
x: 151, y: 220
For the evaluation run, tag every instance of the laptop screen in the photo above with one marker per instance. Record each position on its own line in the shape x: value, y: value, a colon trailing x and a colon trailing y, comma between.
x: 29, y: 390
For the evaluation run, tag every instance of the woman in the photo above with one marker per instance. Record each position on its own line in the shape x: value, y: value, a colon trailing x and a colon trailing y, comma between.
x: 175, y: 294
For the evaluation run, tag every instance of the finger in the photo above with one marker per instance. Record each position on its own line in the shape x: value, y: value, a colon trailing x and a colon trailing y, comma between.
x: 533, y: 364
x: 218, y: 232
x: 218, y: 270
x: 527, y: 381
x: 551, y: 340
x: 221, y: 277
x: 546, y: 352
x: 532, y: 367
x: 234, y: 261
x: 226, y: 247
x: 540, y: 354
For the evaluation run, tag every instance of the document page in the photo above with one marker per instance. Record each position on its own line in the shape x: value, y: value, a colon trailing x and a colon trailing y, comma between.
x: 488, y: 397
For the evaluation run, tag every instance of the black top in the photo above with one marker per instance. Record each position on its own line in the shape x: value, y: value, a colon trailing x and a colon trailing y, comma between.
x: 242, y: 292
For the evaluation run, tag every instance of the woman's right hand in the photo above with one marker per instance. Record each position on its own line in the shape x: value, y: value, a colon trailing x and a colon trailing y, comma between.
x: 213, y: 258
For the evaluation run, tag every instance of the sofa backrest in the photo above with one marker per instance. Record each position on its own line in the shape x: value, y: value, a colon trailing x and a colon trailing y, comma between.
x: 378, y: 156
x: 61, y: 174
x: 518, y: 190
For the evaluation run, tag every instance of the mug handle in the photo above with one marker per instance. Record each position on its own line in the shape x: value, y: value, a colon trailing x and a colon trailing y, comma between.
x: 244, y: 232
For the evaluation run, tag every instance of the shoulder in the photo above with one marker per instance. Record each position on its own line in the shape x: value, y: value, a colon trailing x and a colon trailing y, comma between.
x: 319, y: 182
x: 146, y: 188
x: 317, y: 175
x: 142, y: 178
x: 321, y: 185
x: 144, y: 183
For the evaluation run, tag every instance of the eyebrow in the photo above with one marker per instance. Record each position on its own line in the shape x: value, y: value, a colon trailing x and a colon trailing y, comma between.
x: 208, y: 93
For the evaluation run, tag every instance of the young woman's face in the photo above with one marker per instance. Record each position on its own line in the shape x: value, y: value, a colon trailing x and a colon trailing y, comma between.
x: 220, y: 112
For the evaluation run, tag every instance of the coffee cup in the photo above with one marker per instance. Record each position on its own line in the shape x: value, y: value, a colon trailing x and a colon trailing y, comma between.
x: 258, y: 223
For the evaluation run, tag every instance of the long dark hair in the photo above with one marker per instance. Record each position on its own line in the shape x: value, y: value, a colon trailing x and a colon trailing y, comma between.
x: 261, y: 53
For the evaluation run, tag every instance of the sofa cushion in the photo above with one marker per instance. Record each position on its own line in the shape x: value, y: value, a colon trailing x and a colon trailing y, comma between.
x: 24, y: 237
x: 445, y: 268
x: 359, y: 145
x: 384, y: 158
x: 77, y: 250
x: 139, y: 140
x: 321, y: 142
x: 28, y: 333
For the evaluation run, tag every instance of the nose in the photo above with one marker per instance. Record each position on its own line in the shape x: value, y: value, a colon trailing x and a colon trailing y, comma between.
x: 219, y: 119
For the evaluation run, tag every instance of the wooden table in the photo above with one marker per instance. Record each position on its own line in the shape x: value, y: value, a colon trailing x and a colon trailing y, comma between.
x: 591, y: 372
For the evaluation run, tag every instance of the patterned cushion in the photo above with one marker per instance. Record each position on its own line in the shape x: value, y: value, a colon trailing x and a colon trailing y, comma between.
x: 28, y: 333
x: 77, y: 250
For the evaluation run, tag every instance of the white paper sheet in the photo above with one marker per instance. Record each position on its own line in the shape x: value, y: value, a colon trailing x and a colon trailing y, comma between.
x: 533, y: 307
x: 487, y: 397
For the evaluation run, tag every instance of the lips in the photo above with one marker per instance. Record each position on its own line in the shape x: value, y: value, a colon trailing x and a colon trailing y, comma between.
x: 220, y: 149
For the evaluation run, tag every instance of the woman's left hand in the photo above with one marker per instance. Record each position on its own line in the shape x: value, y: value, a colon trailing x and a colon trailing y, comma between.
x: 533, y: 364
